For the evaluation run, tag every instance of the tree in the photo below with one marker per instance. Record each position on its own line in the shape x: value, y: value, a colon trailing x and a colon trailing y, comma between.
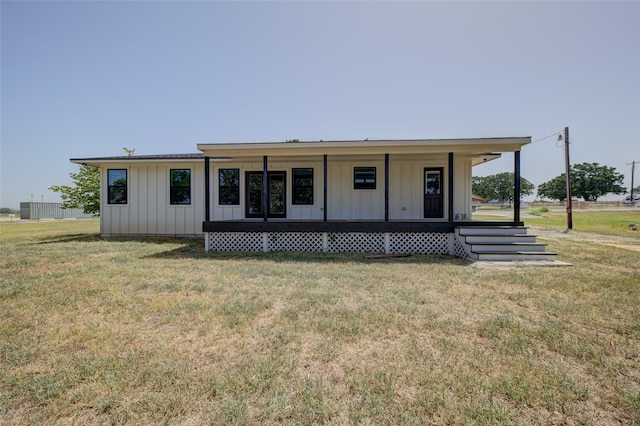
x: 499, y: 187
x: 85, y: 193
x: 555, y: 189
x: 588, y: 181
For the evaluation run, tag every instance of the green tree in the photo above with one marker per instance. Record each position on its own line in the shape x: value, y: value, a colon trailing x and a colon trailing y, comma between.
x: 588, y: 181
x: 554, y: 189
x: 85, y: 193
x: 499, y: 187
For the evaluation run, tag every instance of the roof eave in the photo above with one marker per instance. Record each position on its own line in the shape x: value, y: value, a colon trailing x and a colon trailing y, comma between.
x: 360, y: 147
x: 169, y: 158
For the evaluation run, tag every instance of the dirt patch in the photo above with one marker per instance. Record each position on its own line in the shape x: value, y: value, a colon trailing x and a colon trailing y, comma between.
x: 623, y: 246
x: 627, y: 243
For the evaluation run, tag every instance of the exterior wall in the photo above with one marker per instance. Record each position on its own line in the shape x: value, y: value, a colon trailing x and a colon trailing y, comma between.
x: 406, y: 188
x: 346, y: 203
x: 148, y: 211
x: 294, y: 212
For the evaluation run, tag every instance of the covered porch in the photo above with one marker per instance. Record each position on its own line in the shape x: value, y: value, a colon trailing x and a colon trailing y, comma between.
x: 420, y: 193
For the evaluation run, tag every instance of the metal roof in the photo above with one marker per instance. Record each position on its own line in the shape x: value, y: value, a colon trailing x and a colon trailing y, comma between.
x: 156, y: 157
x: 483, y: 149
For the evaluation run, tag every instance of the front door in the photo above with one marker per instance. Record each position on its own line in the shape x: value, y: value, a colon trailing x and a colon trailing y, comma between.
x: 433, y: 189
x: 276, y: 194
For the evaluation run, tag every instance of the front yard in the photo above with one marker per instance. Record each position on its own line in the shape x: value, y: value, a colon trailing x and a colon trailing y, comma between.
x: 145, y: 331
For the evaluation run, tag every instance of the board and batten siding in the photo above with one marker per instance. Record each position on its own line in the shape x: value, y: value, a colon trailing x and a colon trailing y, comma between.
x: 148, y: 211
x: 294, y: 212
x: 406, y: 188
x: 347, y: 203
x: 462, y: 170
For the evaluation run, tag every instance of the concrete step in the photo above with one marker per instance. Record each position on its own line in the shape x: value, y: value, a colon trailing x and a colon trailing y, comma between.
x: 502, y: 243
x: 508, y: 247
x: 520, y: 255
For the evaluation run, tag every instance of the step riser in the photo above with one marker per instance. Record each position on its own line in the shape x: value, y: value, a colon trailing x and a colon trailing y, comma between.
x: 510, y: 257
x: 483, y: 248
x: 506, y: 239
x: 492, y: 231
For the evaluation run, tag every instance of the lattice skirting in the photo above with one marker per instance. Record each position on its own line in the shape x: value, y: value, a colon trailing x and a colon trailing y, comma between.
x: 359, y: 242
x: 460, y: 249
x: 425, y: 243
x: 235, y: 241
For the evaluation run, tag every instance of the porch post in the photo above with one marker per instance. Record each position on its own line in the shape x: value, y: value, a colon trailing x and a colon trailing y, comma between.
x: 451, y: 187
x: 324, y: 187
x: 265, y: 188
x: 386, y: 187
x: 516, y: 186
x: 207, y: 191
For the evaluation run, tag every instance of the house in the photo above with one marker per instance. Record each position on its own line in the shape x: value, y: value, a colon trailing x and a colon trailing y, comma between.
x: 365, y: 196
x: 477, y: 199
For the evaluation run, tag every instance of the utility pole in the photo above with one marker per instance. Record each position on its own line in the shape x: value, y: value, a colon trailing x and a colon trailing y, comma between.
x: 568, y: 175
x: 633, y: 168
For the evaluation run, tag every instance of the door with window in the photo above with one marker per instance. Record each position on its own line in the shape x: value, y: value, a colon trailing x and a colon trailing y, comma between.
x: 433, y: 193
x: 276, y: 194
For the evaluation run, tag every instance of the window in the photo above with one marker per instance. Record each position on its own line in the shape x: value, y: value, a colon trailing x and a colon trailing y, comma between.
x: 117, y: 186
x: 180, y: 186
x: 432, y: 182
x: 229, y: 187
x: 364, y: 178
x: 302, y: 186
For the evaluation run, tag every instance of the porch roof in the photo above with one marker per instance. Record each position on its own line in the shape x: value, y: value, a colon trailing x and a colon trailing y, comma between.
x: 482, y: 149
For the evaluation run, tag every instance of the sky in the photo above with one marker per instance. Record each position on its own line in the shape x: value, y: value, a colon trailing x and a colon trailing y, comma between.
x: 85, y: 79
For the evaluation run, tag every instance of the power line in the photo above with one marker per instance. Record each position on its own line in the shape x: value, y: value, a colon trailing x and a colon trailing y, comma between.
x: 547, y: 137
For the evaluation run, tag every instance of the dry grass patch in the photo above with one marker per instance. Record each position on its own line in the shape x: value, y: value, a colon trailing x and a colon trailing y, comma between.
x: 156, y: 331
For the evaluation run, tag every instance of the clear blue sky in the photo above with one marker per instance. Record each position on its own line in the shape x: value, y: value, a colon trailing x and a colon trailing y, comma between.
x: 84, y: 79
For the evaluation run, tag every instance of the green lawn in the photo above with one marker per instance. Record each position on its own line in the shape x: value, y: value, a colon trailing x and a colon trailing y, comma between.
x: 140, y: 331
x: 605, y: 222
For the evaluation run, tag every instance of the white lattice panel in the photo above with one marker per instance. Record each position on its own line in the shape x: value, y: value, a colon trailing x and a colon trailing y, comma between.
x: 295, y: 241
x: 358, y: 242
x: 419, y: 242
x: 460, y: 251
x: 235, y: 241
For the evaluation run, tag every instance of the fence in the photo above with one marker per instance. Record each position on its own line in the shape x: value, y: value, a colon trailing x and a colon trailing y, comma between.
x: 581, y: 204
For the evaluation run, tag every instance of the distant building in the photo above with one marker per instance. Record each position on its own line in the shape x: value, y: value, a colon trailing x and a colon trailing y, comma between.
x: 33, y: 210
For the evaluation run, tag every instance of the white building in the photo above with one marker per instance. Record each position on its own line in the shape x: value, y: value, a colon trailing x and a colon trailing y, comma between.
x: 371, y: 196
